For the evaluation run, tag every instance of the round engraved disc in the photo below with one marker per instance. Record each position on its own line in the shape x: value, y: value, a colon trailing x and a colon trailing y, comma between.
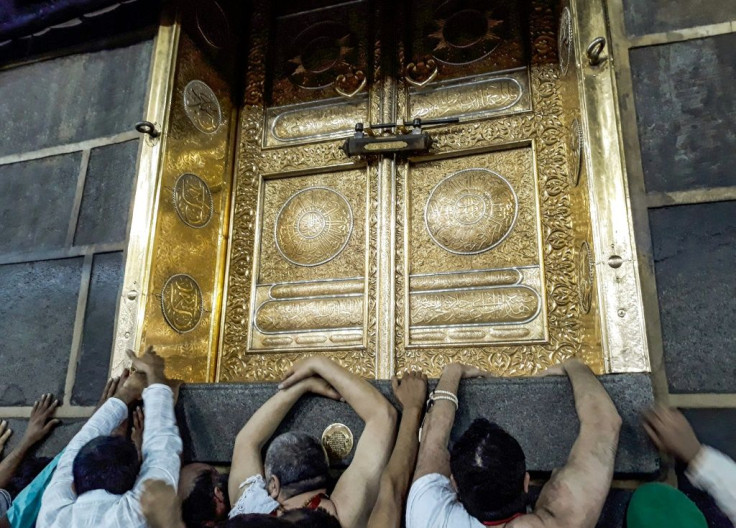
x: 181, y: 303
x: 337, y: 440
x: 471, y: 211
x: 564, y: 40
x: 193, y: 200
x: 313, y: 226
x: 575, y: 157
x: 202, y: 107
x: 212, y: 23
x: 585, y: 277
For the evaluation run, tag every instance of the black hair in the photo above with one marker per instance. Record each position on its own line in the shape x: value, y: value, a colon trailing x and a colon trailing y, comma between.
x: 199, y: 508
x: 27, y: 471
x: 489, y: 468
x: 106, y: 462
x: 299, y: 462
x: 255, y: 520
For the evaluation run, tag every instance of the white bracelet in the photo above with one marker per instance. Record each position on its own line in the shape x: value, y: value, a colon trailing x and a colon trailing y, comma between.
x: 448, y: 398
x: 448, y: 393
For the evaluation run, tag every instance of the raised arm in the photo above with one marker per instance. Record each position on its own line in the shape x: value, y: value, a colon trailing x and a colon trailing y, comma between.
x: 575, y: 494
x: 434, y: 456
x: 249, y: 442
x: 411, y: 392
x: 355, y: 493
x: 39, y: 426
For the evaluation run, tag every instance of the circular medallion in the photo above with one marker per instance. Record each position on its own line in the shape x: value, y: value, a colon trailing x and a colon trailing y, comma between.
x: 313, y: 226
x: 320, y: 53
x: 337, y: 440
x: 181, y: 303
x: 193, y: 200
x: 212, y: 23
x: 464, y: 32
x: 585, y: 277
x: 202, y: 107
x: 575, y: 152
x: 471, y: 211
x: 564, y: 40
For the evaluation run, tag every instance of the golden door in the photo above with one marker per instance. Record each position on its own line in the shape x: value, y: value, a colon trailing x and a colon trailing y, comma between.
x: 271, y: 244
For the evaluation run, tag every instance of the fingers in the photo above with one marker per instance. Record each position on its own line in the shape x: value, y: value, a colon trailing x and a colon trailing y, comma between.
x: 138, y: 418
x: 395, y: 383
x: 5, y: 432
x: 50, y: 425
x: 653, y: 436
x: 45, y: 406
x: 109, y: 388
x: 292, y: 378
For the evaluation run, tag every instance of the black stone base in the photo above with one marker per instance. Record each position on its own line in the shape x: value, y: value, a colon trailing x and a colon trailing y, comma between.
x: 539, y: 412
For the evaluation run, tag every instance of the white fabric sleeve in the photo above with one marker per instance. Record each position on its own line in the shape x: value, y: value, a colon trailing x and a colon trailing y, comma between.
x: 254, y: 499
x: 715, y: 473
x: 433, y: 503
x: 59, y: 494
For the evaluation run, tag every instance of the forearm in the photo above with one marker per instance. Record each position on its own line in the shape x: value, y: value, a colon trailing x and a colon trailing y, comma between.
x: 433, y: 454
x: 592, y: 403
x: 263, y: 423
x: 365, y: 399
x: 10, y: 463
x: 404, y: 456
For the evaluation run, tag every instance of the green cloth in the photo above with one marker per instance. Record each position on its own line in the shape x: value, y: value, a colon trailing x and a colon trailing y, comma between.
x: 24, y: 510
x: 658, y: 505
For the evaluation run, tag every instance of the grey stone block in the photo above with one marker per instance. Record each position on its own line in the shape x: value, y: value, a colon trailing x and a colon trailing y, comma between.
x: 654, y: 16
x: 685, y: 105
x: 103, y: 215
x: 38, y: 304
x: 53, y: 444
x: 99, y: 323
x: 694, y: 250
x: 715, y: 427
x: 36, y: 201
x: 73, y: 98
x: 539, y: 412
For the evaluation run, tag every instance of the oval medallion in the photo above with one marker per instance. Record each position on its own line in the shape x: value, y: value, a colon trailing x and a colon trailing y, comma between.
x: 575, y: 153
x: 193, y: 200
x: 212, y: 23
x: 337, y: 440
x: 313, y: 226
x: 564, y: 40
x: 585, y: 277
x: 471, y: 211
x: 202, y: 107
x: 181, y: 303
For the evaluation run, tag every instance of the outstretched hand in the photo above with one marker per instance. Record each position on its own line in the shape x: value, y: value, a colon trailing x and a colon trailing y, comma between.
x: 301, y: 370
x: 410, y: 390
x: 671, y: 433
x: 41, y: 423
x: 5, y: 433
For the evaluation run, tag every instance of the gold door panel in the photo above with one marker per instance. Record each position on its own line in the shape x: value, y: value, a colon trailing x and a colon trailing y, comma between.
x: 507, y: 246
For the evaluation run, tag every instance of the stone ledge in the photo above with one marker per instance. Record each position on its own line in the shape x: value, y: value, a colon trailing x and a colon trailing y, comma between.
x: 539, y: 412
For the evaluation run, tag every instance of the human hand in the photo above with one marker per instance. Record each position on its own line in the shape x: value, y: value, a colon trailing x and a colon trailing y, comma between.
x: 317, y: 385
x: 410, y: 390
x: 671, y: 432
x: 41, y: 424
x: 130, y: 386
x: 111, y: 387
x: 554, y: 370
x: 299, y: 371
x: 150, y: 364
x: 468, y: 371
x: 5, y: 433
x: 160, y: 505
x: 136, y: 433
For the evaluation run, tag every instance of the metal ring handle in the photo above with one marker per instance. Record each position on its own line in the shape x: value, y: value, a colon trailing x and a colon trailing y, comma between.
x: 594, y: 50
x: 341, y: 78
x: 148, y: 128
x: 411, y: 68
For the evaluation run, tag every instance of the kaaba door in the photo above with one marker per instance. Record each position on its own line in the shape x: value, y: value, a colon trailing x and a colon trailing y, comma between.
x: 483, y: 251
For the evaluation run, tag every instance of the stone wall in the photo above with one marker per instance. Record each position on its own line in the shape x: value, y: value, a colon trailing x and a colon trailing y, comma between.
x: 68, y: 154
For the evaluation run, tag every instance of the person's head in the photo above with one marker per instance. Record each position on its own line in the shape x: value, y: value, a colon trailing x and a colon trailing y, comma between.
x: 203, y: 494
x: 295, y: 463
x: 109, y: 463
x: 489, y: 471
x: 301, y: 518
x: 27, y: 471
x: 657, y: 505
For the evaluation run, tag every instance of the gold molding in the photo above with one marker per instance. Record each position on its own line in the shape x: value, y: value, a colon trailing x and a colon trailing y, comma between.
x: 614, y: 249
x: 139, y: 253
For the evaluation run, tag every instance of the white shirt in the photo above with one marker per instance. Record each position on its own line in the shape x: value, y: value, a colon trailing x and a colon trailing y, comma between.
x: 715, y: 473
x: 255, y: 498
x: 162, y: 446
x: 433, y: 503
